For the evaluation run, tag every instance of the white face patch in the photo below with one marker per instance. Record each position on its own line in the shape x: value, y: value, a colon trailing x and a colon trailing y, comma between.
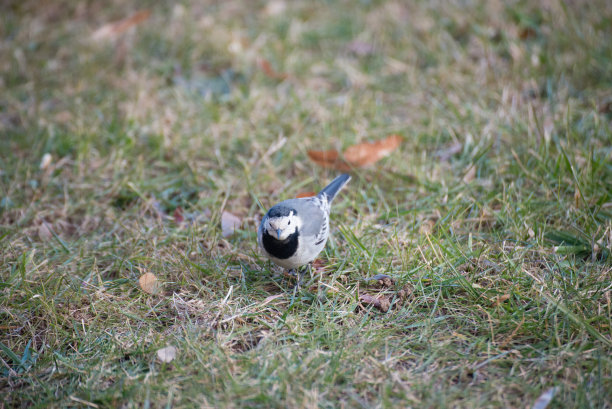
x: 282, y: 227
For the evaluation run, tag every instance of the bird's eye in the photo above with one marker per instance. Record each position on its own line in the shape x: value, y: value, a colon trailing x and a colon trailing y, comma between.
x: 289, y: 222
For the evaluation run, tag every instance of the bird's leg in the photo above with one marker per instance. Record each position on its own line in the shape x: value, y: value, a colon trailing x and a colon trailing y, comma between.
x: 298, y: 278
x: 298, y: 273
x: 307, y: 268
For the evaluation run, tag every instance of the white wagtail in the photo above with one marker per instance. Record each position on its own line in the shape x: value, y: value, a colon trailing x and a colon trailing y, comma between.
x: 295, y: 231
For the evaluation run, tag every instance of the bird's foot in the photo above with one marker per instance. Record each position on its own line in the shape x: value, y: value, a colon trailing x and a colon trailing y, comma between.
x: 299, y: 274
x: 302, y: 273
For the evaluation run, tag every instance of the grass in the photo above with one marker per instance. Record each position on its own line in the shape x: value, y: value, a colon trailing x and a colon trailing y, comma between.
x: 494, y: 216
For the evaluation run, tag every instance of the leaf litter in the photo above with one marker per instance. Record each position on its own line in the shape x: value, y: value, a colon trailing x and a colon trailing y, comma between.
x: 149, y: 283
x: 388, y: 297
x: 380, y: 302
x: 356, y: 156
x: 166, y: 354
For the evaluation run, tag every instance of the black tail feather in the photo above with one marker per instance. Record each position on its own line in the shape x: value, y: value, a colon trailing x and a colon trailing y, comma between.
x: 334, y: 187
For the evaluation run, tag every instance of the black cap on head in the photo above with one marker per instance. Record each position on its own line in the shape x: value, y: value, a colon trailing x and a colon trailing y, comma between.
x: 280, y: 211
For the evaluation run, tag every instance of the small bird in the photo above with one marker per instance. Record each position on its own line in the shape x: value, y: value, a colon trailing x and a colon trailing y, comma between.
x: 295, y: 231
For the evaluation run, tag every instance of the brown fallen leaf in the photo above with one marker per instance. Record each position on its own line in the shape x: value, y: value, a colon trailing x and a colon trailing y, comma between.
x: 229, y: 223
x: 149, y: 283
x: 270, y: 72
x: 178, y: 215
x: 405, y: 292
x: 319, y: 266
x: 305, y: 194
x: 329, y: 159
x: 356, y: 156
x: 116, y: 28
x: 527, y: 33
x: 368, y: 153
x: 381, y: 302
x: 318, y: 263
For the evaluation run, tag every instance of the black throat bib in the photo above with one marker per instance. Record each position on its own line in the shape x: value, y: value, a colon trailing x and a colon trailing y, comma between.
x: 281, y: 249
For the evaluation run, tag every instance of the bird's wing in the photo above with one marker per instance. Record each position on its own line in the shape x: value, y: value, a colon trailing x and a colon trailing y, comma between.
x: 312, y: 215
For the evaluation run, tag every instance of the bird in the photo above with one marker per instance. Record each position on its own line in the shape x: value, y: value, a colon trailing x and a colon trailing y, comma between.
x: 293, y: 232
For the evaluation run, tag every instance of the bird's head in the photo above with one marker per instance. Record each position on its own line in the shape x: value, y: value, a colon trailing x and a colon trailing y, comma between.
x: 282, y: 222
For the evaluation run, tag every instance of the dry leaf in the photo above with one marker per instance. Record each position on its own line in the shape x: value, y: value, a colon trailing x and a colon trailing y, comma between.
x: 148, y: 283
x: 527, y: 33
x: 43, y: 232
x: 500, y: 299
x: 368, y: 153
x: 405, y: 292
x: 305, y: 194
x: 270, y: 72
x: 229, y: 223
x: 356, y: 156
x: 45, y: 161
x: 381, y: 302
x: 166, y: 354
x: 116, y: 28
x: 178, y: 215
x: 329, y: 159
x: 318, y: 264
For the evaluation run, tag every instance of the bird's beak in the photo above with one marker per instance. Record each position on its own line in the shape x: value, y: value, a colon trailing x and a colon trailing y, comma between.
x: 278, y: 231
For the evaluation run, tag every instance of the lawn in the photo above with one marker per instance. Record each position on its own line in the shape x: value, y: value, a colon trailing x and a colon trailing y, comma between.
x: 129, y: 131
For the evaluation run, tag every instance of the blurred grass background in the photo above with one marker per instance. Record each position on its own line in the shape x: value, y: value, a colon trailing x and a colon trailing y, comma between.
x: 494, y: 216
